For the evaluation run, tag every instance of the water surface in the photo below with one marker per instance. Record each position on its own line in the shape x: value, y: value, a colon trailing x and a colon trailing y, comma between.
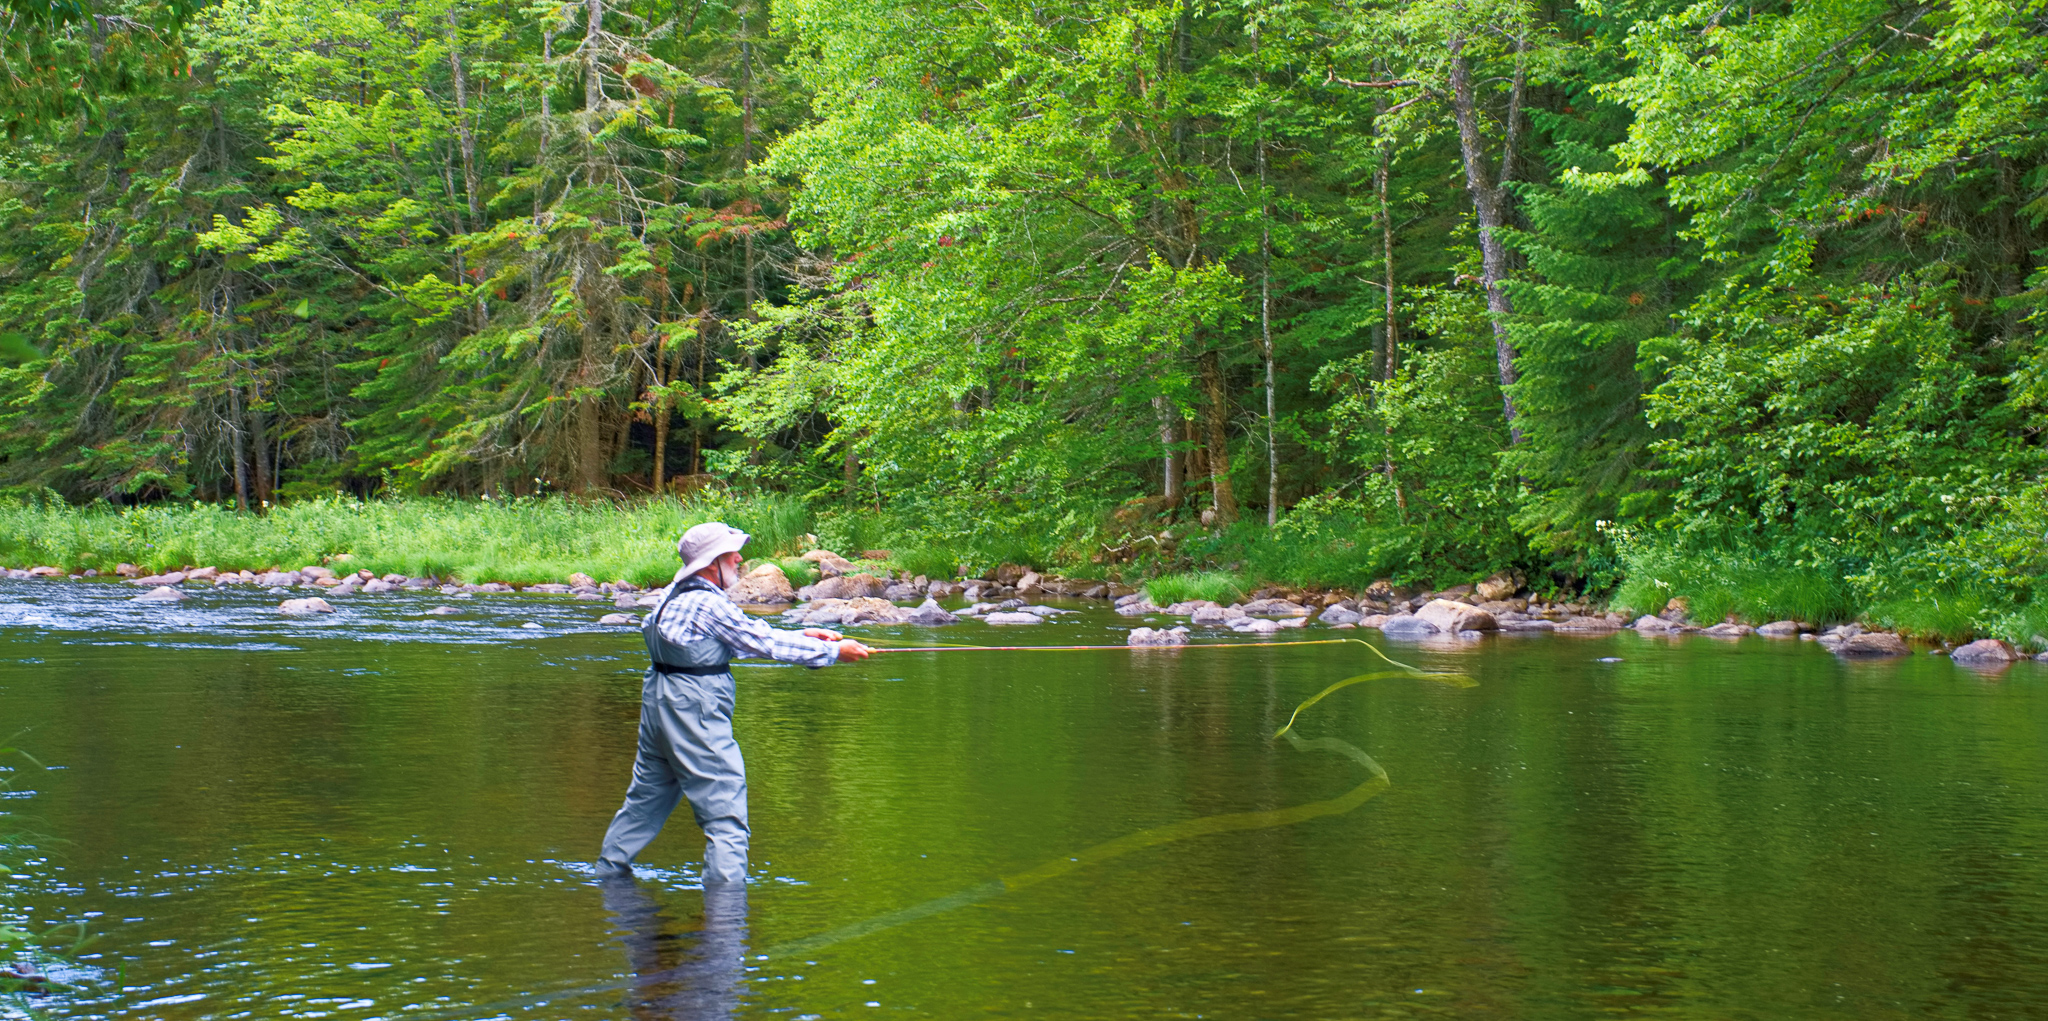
x: 381, y: 814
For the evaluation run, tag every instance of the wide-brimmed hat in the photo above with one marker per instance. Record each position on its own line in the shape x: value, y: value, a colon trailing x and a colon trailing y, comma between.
x: 707, y: 542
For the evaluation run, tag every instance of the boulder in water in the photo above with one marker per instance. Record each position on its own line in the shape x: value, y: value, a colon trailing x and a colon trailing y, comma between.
x: 1408, y: 625
x: 312, y: 604
x: 1986, y: 652
x: 1445, y: 615
x: 442, y: 611
x: 1338, y: 614
x: 929, y: 614
x: 1163, y: 636
x: 160, y: 594
x: 1876, y: 643
x: 626, y: 619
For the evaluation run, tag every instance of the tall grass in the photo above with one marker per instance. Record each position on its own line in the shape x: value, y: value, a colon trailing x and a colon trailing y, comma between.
x: 1215, y: 586
x: 1951, y: 615
x: 1755, y: 585
x: 518, y: 541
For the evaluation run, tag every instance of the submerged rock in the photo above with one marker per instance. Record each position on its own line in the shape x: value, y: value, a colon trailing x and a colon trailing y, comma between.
x: 619, y: 618
x: 438, y: 611
x: 1013, y: 617
x: 313, y: 604
x: 160, y: 594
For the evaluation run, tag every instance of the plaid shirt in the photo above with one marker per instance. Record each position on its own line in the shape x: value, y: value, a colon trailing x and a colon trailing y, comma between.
x: 703, y: 611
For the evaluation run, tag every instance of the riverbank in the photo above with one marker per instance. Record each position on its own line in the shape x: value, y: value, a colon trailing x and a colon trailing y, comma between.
x: 582, y: 546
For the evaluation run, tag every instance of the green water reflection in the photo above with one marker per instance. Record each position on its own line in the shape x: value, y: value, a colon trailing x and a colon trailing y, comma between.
x: 352, y: 824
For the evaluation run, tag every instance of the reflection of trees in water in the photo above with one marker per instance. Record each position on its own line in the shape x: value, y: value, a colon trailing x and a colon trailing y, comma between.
x: 676, y: 978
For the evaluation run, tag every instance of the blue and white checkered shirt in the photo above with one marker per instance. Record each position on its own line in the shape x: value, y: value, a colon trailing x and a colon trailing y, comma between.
x: 702, y: 610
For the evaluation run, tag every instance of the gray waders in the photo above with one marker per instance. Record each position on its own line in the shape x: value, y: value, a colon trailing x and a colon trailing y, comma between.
x: 686, y: 751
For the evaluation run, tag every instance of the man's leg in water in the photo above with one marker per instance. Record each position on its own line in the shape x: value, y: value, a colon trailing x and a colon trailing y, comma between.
x: 652, y: 796
x: 714, y: 777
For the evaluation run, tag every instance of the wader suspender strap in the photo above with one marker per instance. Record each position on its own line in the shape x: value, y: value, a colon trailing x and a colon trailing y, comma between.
x: 653, y: 621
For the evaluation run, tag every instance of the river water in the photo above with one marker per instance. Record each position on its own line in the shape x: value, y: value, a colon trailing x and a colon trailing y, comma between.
x: 381, y: 814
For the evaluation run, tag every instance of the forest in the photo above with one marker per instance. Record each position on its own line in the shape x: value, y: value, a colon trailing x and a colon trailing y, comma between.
x: 1739, y: 302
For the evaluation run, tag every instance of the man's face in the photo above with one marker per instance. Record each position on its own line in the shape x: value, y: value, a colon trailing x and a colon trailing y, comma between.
x: 728, y: 569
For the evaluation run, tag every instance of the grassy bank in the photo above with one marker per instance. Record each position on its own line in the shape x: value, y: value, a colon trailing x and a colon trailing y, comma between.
x: 1966, y: 591
x: 546, y: 539
x: 519, y: 541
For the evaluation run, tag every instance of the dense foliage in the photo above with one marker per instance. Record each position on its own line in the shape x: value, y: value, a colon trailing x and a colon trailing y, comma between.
x: 1689, y: 299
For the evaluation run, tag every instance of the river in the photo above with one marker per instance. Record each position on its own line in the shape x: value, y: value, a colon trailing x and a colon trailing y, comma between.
x: 382, y: 814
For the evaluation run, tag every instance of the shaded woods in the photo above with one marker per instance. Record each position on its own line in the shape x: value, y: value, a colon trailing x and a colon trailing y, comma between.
x: 1702, y: 301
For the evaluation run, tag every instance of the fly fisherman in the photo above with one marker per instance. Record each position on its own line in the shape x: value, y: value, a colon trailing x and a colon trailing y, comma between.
x: 686, y: 744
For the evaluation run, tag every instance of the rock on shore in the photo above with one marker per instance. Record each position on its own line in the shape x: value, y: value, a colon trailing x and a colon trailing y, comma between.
x: 764, y: 585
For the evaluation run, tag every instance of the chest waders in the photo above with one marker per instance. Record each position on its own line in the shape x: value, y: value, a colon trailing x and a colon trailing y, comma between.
x: 686, y: 751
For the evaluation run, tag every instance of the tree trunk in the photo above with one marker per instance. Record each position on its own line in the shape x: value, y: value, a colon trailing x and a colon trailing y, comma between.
x: 240, y: 447
x: 1169, y: 482
x: 1490, y: 203
x: 661, y: 414
x: 1390, y: 352
x: 1222, y: 499
x: 1266, y: 328
x: 259, y: 445
x: 593, y: 84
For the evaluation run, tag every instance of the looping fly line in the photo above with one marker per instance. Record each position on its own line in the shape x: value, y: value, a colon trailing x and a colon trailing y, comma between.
x: 1375, y: 783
